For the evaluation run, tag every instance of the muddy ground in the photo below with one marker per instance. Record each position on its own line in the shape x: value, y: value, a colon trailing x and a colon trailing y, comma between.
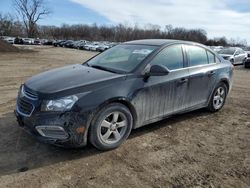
x: 197, y: 149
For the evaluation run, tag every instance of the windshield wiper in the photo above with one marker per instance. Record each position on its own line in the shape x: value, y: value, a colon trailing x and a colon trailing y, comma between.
x: 103, y: 68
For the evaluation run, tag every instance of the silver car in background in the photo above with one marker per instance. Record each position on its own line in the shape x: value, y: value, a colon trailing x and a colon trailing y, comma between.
x: 234, y: 55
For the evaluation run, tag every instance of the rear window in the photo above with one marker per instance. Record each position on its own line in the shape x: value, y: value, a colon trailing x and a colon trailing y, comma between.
x: 211, y: 57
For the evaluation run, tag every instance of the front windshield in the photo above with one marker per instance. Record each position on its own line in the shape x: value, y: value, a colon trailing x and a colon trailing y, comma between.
x: 122, y: 58
x: 228, y: 51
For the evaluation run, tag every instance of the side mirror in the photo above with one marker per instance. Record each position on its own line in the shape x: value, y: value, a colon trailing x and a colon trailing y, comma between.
x: 157, y: 70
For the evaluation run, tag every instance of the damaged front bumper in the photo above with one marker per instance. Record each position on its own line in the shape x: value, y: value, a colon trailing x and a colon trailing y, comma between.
x: 68, y: 129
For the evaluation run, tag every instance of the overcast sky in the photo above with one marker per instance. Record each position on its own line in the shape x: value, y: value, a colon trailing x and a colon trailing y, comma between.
x: 230, y: 18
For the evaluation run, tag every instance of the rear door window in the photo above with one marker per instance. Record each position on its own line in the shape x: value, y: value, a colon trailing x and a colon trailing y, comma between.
x: 211, y: 57
x: 197, y: 55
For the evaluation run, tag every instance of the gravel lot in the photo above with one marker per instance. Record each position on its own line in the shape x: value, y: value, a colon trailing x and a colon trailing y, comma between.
x: 194, y: 149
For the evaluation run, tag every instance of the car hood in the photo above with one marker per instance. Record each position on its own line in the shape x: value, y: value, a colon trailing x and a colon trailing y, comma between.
x: 71, y: 79
x: 226, y: 55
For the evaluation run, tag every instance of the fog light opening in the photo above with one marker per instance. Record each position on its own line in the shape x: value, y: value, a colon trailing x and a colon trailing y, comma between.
x: 52, y: 131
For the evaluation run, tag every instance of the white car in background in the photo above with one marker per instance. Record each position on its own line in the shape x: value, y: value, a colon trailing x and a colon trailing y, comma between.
x: 216, y: 48
x: 94, y: 46
x: 87, y: 46
x: 234, y: 55
x: 10, y: 40
x: 28, y: 41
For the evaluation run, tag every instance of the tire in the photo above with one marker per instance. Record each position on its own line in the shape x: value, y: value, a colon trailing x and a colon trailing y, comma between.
x: 218, y: 98
x: 111, y: 126
x: 244, y: 60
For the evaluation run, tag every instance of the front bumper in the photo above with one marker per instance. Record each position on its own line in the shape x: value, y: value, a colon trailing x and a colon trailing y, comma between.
x: 72, y: 123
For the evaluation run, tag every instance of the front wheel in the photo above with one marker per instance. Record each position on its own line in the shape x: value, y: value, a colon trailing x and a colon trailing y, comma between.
x: 218, y: 98
x: 111, y: 126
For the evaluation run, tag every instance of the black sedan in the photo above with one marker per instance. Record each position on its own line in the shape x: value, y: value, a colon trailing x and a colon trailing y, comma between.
x: 128, y: 86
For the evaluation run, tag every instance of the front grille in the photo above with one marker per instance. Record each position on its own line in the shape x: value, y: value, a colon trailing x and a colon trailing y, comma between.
x: 29, y: 93
x: 24, y: 107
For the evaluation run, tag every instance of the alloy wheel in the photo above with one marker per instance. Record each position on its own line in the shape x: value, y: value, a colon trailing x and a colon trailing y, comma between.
x: 219, y: 97
x: 113, y: 127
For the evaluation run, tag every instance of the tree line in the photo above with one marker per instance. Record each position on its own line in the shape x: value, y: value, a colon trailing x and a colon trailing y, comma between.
x: 9, y: 26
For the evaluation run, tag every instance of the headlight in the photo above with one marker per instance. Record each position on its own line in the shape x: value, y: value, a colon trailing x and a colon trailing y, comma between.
x: 62, y: 104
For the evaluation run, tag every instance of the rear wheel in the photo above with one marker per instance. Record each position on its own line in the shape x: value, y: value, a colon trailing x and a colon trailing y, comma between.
x: 111, y: 127
x: 218, y: 98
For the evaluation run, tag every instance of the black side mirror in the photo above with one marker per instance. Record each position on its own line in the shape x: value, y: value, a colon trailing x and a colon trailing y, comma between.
x: 158, y: 70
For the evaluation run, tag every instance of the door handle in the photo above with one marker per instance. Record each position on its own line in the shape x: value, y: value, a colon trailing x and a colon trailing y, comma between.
x: 183, y: 80
x: 211, y: 73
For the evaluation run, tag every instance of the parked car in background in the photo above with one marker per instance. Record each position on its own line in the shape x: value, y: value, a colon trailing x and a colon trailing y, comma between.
x: 234, y: 55
x: 18, y: 40
x: 247, y: 62
x: 63, y: 44
x: 10, y: 40
x: 77, y: 44
x: 69, y: 44
x: 81, y: 46
x: 58, y: 42
x: 37, y: 42
x: 102, y: 47
x: 48, y: 42
x: 128, y: 86
x: 28, y: 41
x: 216, y: 48
x: 93, y: 46
x: 86, y: 46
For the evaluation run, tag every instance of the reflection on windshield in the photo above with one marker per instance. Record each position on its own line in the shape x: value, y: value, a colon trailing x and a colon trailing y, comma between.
x: 122, y: 58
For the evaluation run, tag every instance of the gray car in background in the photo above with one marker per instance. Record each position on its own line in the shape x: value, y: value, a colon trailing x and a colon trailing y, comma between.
x: 234, y: 55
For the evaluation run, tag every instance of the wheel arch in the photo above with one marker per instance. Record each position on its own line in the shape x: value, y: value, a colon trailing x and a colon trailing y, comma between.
x: 122, y: 100
x: 226, y: 82
x: 222, y: 80
x: 125, y: 102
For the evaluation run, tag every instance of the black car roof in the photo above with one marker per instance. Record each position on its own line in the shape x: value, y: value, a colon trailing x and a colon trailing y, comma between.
x: 155, y: 42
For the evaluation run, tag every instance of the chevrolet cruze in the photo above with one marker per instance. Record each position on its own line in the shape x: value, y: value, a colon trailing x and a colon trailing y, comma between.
x: 130, y: 85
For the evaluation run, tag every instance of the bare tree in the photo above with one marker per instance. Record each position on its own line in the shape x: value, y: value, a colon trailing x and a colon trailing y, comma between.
x: 31, y: 11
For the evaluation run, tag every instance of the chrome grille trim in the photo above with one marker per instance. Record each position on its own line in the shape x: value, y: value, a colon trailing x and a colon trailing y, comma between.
x: 29, y: 94
x: 23, y: 108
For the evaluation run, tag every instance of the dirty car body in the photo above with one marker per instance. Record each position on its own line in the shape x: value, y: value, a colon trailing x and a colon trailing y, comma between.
x: 83, y: 90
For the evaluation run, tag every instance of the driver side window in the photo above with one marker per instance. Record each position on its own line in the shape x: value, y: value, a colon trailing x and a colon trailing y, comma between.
x: 170, y: 57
